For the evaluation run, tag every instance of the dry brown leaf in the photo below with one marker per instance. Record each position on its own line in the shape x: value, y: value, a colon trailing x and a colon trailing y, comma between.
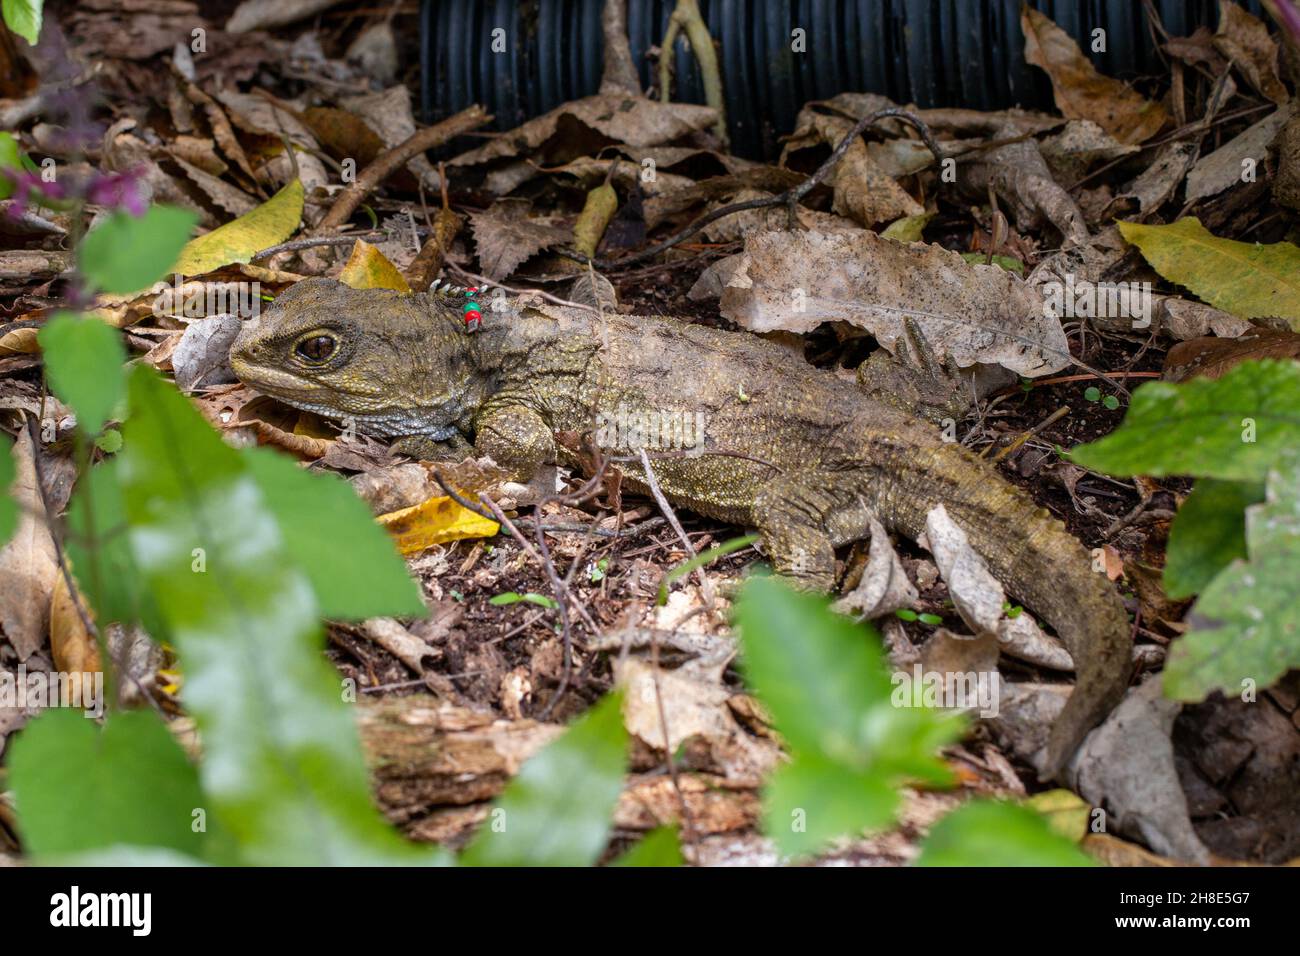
x: 1213, y: 357
x: 633, y: 120
x: 505, y: 236
x: 28, y: 565
x: 74, y: 648
x: 1245, y: 40
x: 1083, y: 93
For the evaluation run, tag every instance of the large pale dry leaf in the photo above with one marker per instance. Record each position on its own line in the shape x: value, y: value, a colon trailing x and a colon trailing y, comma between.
x: 28, y: 565
x: 505, y: 236
x: 974, y: 590
x: 633, y: 120
x: 1245, y: 40
x: 1185, y: 319
x: 884, y: 587
x: 1227, y: 166
x: 230, y: 198
x: 238, y: 240
x: 973, y: 313
x: 1127, y: 764
x: 202, y: 356
x: 1157, y: 184
x: 1080, y: 91
x: 1246, y: 279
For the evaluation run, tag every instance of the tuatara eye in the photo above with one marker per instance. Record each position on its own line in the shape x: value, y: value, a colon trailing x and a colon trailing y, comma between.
x: 317, y: 348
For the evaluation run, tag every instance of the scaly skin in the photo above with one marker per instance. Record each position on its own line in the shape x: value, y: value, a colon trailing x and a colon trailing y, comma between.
x: 789, y: 449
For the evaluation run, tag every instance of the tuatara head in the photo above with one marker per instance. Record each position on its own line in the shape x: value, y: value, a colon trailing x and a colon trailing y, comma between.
x: 389, y: 362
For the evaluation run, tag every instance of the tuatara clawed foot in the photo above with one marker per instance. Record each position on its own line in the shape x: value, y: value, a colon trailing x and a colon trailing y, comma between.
x: 915, y: 379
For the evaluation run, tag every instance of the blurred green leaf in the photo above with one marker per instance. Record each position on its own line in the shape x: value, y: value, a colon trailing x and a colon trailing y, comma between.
x: 1246, y: 623
x: 24, y: 18
x: 824, y: 680
x: 10, y: 160
x: 100, y: 553
x: 660, y: 847
x: 1208, y: 534
x: 558, y: 810
x: 126, y: 254
x: 83, y: 363
x: 330, y: 534
x: 993, y: 833
x: 513, y: 597
x: 8, y: 507
x: 282, y: 764
x: 79, y: 787
x: 1236, y: 427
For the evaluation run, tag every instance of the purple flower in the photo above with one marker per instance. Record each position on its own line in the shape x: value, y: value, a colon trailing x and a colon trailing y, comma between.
x: 118, y: 191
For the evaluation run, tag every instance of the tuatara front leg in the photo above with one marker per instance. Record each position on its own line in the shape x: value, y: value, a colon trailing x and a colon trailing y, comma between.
x: 516, y: 438
x: 916, y: 381
x: 791, y: 516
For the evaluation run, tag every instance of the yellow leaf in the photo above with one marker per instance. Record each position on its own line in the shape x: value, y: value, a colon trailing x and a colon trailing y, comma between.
x: 368, y: 268
x: 1244, y: 278
x: 1066, y: 814
x: 272, y: 222
x: 909, y: 228
x: 434, y: 521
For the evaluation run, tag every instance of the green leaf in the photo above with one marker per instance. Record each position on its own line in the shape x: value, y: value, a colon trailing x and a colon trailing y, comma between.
x: 24, y: 18
x: 908, y: 229
x: 10, y: 158
x: 78, y: 787
x: 993, y: 833
x: 701, y: 560
x: 110, y: 442
x: 557, y: 811
x: 352, y: 565
x: 1244, y: 278
x: 811, y: 801
x: 1235, y: 428
x: 8, y: 507
x: 126, y: 254
x: 1246, y: 625
x: 282, y: 767
x: 1010, y: 263
x: 1208, y: 534
x: 1092, y: 393
x: 83, y: 363
x: 660, y: 847
x: 513, y: 597
x: 99, y: 551
x: 823, y: 678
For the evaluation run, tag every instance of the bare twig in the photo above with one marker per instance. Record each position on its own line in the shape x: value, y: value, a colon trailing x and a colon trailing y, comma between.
x: 389, y: 161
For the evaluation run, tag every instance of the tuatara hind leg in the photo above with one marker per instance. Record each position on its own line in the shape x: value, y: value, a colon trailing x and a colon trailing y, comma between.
x: 791, y: 516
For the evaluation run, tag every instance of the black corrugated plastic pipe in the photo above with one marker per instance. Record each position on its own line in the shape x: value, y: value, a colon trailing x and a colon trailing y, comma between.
x: 930, y: 52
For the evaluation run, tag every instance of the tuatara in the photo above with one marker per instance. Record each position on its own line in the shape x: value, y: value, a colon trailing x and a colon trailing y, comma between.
x: 786, y: 448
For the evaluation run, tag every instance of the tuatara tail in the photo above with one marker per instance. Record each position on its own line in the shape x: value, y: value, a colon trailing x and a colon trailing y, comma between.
x: 1038, y: 562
